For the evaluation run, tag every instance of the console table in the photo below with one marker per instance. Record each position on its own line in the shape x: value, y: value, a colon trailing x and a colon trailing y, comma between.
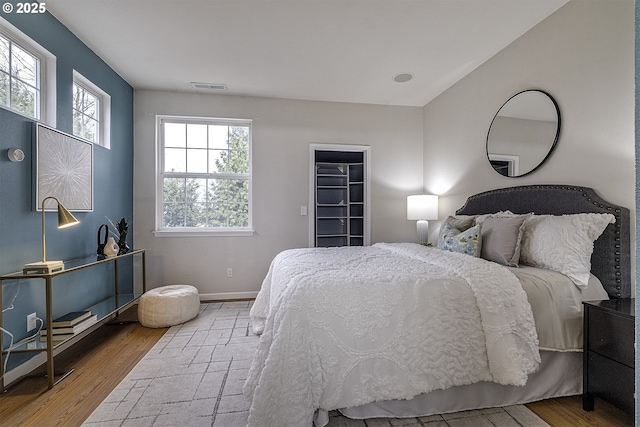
x: 106, y: 310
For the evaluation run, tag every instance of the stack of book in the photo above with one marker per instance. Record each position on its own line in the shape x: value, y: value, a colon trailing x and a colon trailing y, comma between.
x: 67, y: 326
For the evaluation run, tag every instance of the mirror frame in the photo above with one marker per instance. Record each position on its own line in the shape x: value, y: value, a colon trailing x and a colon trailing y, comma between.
x: 553, y: 145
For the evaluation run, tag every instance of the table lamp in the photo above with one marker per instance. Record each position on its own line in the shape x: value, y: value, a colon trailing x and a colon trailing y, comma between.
x: 65, y: 219
x: 422, y: 207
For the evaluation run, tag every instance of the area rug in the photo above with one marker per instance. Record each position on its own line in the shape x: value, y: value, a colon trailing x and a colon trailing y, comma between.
x: 194, y: 375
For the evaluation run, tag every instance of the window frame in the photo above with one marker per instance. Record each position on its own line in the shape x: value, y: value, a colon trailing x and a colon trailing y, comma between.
x: 104, y: 110
x: 46, y: 113
x: 160, y: 230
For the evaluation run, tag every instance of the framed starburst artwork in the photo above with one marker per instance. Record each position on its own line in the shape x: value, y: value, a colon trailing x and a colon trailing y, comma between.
x: 64, y: 170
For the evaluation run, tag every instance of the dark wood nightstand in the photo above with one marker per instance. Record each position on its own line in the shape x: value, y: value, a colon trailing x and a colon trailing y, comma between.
x: 609, y: 355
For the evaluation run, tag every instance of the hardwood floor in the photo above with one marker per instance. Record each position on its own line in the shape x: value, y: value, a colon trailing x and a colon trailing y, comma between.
x: 104, y: 358
x: 100, y: 361
x: 567, y: 412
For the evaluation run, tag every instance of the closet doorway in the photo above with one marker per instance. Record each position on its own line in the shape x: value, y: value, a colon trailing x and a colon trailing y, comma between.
x: 339, y: 195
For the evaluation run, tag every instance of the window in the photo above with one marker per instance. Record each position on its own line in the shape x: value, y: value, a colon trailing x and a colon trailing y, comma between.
x: 204, y: 179
x: 91, y: 111
x: 27, y: 76
x: 86, y: 110
x: 19, y: 79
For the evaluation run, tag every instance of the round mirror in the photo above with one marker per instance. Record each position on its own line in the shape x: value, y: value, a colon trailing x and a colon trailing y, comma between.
x: 523, y: 133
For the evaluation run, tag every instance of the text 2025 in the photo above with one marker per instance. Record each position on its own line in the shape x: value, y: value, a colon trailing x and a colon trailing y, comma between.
x: 33, y: 7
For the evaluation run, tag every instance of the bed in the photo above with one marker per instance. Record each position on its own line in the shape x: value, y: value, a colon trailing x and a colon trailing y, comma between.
x: 404, y: 330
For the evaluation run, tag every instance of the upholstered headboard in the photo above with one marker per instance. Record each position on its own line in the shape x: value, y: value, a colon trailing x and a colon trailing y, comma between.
x: 611, y: 259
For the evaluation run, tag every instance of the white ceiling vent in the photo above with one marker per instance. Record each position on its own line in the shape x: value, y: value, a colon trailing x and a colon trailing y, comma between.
x: 209, y: 86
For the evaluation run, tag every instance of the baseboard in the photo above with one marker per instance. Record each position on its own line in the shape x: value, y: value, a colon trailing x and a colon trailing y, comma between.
x: 224, y: 296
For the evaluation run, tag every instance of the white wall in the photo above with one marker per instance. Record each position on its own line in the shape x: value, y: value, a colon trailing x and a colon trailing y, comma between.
x: 282, y: 132
x: 583, y: 55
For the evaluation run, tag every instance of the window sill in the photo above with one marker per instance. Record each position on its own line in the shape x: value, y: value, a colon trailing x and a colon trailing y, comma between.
x: 204, y: 233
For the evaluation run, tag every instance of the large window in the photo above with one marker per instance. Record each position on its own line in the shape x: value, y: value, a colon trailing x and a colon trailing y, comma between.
x: 204, y: 179
x: 19, y: 78
x: 91, y: 111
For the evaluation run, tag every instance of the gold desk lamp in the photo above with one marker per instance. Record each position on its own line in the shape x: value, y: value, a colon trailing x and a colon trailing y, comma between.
x: 65, y: 219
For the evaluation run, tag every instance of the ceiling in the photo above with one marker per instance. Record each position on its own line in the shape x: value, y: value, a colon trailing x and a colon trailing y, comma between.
x: 325, y: 50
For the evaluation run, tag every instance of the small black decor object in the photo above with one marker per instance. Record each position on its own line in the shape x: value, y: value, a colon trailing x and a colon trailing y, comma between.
x: 122, y: 228
x: 102, y: 244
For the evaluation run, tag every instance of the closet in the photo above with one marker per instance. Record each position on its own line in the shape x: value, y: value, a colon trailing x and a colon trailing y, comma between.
x: 340, y: 193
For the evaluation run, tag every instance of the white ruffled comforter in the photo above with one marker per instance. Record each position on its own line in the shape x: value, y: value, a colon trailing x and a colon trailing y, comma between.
x: 342, y: 327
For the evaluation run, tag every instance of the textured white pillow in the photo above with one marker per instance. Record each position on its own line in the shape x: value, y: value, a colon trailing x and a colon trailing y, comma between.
x: 563, y: 243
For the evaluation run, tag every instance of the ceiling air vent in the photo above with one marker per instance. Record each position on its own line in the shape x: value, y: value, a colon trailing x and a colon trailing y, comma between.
x: 209, y: 86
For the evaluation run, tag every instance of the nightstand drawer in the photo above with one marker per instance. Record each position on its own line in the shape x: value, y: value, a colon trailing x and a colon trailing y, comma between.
x: 612, y: 381
x: 612, y: 336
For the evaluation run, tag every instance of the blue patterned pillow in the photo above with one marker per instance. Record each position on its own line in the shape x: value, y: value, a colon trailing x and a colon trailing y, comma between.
x: 447, y: 230
x: 467, y: 242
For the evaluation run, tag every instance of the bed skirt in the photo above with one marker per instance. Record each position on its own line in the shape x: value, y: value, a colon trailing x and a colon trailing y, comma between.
x: 560, y: 375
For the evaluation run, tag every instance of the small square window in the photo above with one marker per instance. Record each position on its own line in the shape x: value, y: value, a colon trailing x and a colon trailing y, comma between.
x: 19, y: 79
x: 91, y: 111
x: 27, y: 76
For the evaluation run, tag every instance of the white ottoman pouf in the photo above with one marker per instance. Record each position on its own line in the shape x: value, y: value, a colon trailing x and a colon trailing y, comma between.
x: 168, y: 306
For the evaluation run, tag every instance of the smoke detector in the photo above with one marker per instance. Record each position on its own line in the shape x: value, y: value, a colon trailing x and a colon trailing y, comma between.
x: 402, y: 77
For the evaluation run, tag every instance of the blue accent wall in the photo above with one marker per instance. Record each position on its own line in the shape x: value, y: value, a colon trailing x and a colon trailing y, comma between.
x: 20, y: 224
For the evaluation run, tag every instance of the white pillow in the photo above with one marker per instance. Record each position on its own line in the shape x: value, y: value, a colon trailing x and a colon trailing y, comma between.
x: 563, y: 243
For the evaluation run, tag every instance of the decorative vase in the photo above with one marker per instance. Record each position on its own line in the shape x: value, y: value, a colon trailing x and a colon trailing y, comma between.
x: 123, y: 229
x: 123, y: 248
x: 111, y: 248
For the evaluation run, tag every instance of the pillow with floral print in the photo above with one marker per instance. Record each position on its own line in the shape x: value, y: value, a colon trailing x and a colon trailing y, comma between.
x: 467, y: 242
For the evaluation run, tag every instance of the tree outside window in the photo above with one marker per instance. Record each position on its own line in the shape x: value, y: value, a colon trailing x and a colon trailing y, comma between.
x: 206, y: 174
x: 86, y: 113
x: 19, y: 79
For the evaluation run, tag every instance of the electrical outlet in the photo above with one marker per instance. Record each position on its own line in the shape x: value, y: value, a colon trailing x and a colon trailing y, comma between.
x: 229, y: 272
x: 31, y: 322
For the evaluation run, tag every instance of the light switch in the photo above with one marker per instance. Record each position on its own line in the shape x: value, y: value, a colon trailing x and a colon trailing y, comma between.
x: 303, y: 210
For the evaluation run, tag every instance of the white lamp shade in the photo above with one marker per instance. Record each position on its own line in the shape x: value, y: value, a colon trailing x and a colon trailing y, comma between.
x: 423, y: 206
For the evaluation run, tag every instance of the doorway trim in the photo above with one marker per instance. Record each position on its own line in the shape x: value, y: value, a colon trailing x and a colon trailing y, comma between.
x: 366, y: 150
